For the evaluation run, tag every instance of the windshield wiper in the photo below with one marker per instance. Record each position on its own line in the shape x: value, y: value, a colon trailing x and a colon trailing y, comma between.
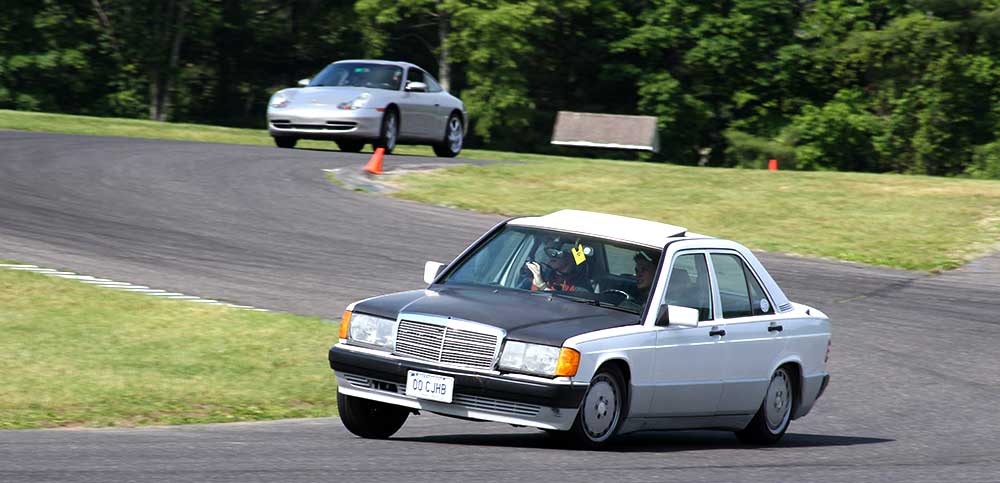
x: 589, y: 301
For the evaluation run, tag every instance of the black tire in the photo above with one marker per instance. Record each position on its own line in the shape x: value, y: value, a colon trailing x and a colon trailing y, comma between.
x: 370, y: 419
x: 285, y: 141
x: 583, y: 434
x: 351, y: 146
x: 390, y: 131
x: 775, y: 413
x: 454, y: 136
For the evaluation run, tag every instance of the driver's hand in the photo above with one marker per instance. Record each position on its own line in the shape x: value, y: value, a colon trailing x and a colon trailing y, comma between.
x: 536, y: 273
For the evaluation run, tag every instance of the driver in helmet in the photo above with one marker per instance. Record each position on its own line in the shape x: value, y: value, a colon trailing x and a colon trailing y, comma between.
x: 566, y: 275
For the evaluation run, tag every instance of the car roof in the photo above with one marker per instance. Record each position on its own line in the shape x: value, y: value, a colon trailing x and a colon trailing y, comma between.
x: 384, y: 62
x: 603, y: 225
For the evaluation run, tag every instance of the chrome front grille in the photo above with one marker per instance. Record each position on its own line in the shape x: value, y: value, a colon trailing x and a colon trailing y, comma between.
x: 449, y: 345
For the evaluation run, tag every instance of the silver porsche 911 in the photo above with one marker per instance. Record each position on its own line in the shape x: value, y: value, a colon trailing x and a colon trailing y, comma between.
x: 356, y: 102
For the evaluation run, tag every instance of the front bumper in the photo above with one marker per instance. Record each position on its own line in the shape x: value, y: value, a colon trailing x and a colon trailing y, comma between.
x: 324, y: 123
x: 547, y: 405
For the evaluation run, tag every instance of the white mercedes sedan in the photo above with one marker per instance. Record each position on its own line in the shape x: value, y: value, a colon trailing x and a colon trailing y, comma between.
x: 588, y: 326
x: 357, y: 102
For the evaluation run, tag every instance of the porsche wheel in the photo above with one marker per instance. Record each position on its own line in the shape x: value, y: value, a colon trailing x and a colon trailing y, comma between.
x: 285, y: 141
x: 454, y: 134
x: 390, y: 131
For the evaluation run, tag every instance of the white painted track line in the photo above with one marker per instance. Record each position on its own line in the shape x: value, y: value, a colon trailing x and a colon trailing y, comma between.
x: 123, y: 286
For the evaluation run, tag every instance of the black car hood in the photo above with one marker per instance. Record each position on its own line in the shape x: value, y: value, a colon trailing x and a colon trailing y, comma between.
x: 526, y: 316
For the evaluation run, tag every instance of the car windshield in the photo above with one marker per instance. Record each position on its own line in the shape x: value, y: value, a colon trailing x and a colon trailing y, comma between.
x: 584, y: 269
x: 359, y: 74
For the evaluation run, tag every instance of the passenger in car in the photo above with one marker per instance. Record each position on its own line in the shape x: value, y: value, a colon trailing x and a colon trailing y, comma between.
x: 645, y: 270
x: 566, y: 275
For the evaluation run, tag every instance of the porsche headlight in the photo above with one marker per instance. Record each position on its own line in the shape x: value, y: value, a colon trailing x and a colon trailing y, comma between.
x: 279, y: 100
x: 539, y: 359
x: 372, y: 331
x: 356, y: 103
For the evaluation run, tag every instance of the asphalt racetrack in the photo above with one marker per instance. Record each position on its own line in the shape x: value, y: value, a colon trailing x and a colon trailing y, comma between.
x: 915, y: 364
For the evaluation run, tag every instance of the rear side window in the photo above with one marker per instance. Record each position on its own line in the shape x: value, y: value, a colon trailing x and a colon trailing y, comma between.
x: 758, y: 299
x: 741, y: 294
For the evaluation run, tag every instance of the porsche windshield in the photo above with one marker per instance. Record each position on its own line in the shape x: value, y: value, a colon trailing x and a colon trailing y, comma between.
x: 581, y: 268
x: 359, y: 74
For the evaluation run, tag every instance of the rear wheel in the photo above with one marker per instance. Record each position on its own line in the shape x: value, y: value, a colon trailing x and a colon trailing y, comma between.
x: 771, y: 420
x: 370, y: 419
x: 602, y: 411
x: 285, y: 141
x: 350, y: 146
x: 390, y: 131
x: 451, y: 145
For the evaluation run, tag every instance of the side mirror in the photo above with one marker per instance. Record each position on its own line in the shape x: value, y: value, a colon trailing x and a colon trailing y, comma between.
x: 677, y: 315
x: 304, y: 82
x: 416, y: 87
x: 431, y: 271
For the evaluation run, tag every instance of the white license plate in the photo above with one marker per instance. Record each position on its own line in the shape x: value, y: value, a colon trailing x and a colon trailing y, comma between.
x: 429, y: 386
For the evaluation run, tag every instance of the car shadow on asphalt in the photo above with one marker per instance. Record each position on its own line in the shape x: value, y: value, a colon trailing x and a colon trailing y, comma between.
x: 648, y: 442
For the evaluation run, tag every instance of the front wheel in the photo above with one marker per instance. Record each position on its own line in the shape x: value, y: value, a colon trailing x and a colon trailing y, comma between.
x: 602, y: 411
x: 285, y: 141
x: 451, y: 145
x: 390, y: 131
x: 370, y: 419
x: 771, y: 420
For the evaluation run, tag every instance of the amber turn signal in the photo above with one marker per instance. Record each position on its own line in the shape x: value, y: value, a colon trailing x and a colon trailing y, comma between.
x: 569, y: 362
x: 345, y: 324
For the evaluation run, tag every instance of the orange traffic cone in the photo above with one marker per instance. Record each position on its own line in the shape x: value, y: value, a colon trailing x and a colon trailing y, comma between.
x: 374, y: 165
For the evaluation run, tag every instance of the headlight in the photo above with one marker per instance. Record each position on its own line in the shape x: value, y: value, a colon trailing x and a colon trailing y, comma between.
x: 279, y: 100
x: 539, y: 359
x: 370, y: 330
x: 356, y: 103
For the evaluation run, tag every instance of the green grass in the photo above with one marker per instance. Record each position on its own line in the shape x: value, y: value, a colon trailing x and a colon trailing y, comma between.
x: 139, y: 128
x: 912, y: 222
x: 73, y: 354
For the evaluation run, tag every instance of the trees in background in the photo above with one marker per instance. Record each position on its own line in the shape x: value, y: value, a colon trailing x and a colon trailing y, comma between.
x: 881, y: 85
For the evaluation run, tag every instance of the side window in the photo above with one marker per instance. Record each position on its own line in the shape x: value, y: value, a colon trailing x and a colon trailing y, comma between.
x: 415, y: 75
x: 758, y: 299
x: 689, y: 285
x: 733, y: 287
x: 620, y: 260
x: 432, y: 85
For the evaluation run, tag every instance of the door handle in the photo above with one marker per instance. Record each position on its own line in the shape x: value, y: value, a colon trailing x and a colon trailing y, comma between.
x: 715, y: 332
x: 773, y: 328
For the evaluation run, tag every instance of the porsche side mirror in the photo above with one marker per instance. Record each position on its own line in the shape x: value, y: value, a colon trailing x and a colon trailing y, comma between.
x: 416, y: 87
x: 677, y: 315
x: 431, y: 271
x: 303, y: 82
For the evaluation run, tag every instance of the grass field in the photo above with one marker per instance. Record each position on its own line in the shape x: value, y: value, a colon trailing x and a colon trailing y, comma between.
x: 73, y: 354
x: 912, y: 222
